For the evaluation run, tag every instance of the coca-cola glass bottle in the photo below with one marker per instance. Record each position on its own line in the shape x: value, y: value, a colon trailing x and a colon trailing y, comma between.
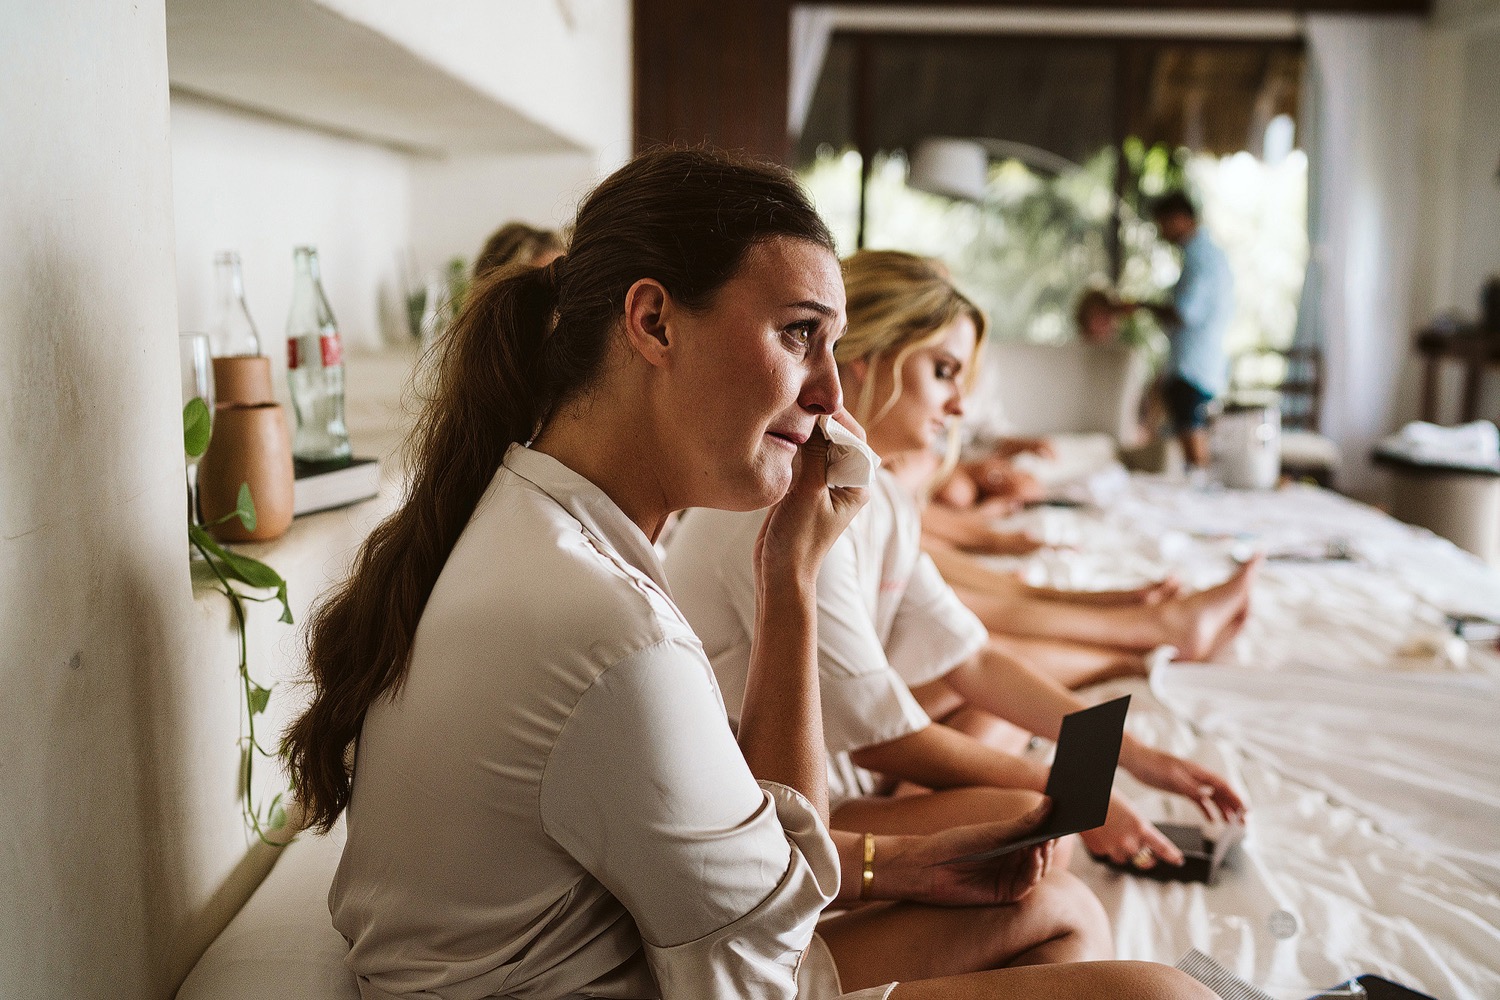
x: 315, y: 370
x: 233, y: 333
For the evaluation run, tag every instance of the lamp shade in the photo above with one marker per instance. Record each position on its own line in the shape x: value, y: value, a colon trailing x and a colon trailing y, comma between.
x: 954, y: 168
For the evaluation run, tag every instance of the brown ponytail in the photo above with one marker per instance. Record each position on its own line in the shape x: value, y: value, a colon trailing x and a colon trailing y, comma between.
x: 526, y: 340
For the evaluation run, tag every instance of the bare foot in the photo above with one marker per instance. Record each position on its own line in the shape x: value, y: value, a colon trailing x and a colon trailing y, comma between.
x: 1228, y: 634
x: 1195, y: 623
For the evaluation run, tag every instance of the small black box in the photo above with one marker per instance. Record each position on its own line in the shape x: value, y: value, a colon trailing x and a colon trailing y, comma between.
x: 1202, y: 858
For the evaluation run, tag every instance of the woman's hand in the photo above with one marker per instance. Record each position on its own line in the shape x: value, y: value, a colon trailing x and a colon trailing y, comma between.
x: 803, y: 526
x: 915, y: 870
x: 1183, y: 777
x: 1127, y: 837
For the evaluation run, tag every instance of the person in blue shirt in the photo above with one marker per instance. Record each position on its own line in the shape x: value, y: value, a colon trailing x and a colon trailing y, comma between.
x: 1195, y: 317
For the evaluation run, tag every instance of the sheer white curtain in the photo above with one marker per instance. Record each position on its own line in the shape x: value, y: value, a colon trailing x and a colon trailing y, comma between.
x: 1366, y: 185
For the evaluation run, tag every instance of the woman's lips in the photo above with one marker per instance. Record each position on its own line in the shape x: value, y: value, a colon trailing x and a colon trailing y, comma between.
x: 788, y: 437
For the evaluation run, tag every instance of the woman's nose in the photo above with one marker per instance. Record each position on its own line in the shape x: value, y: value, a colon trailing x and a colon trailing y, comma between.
x: 821, y: 392
x: 955, y: 407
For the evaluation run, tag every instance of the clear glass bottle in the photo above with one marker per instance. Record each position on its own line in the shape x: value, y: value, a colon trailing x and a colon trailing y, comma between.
x: 315, y: 369
x: 233, y: 333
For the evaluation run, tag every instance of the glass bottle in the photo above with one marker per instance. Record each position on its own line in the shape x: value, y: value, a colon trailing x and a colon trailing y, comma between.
x: 315, y: 369
x: 233, y: 333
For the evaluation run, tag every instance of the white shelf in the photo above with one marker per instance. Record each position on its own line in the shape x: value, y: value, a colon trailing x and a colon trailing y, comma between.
x: 300, y: 61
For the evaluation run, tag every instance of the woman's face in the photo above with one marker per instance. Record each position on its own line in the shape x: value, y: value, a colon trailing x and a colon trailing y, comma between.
x: 931, y: 390
x: 756, y: 371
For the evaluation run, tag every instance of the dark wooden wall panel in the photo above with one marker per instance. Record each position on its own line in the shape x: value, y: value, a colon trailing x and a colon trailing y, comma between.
x: 712, y: 71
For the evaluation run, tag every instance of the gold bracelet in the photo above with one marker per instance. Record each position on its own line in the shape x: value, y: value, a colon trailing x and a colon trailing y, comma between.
x: 868, y: 875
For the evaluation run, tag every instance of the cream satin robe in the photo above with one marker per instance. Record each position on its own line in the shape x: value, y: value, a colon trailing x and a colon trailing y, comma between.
x: 554, y: 805
x: 886, y: 620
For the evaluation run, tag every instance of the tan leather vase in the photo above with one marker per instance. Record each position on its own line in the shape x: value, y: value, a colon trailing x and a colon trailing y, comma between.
x: 250, y: 444
x: 242, y: 380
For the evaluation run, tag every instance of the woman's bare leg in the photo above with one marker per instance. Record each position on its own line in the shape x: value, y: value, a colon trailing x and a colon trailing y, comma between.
x: 1058, y: 921
x: 1074, y: 664
x: 989, y: 729
x: 1086, y: 981
x: 1151, y: 593
x: 933, y: 811
x: 1192, y: 623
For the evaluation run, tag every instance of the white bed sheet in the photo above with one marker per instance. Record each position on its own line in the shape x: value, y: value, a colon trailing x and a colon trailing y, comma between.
x: 1361, y: 900
x: 1385, y: 851
x: 1419, y: 754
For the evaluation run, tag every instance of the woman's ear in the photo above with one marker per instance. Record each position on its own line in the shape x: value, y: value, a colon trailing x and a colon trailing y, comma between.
x: 647, y: 311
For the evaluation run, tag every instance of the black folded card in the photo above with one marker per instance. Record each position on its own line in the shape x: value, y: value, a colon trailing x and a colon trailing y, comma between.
x: 1083, y: 774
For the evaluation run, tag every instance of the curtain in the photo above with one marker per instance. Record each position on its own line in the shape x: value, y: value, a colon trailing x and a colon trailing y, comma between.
x: 1364, y: 189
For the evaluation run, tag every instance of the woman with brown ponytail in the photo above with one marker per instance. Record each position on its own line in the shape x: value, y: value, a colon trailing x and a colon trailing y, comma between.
x: 543, y: 796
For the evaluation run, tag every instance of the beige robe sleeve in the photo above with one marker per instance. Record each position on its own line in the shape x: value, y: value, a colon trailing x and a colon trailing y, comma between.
x: 646, y: 788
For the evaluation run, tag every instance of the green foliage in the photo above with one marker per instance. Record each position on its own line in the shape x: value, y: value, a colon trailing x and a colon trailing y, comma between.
x: 231, y: 568
x: 458, y: 286
x: 196, y: 425
x: 1040, y: 240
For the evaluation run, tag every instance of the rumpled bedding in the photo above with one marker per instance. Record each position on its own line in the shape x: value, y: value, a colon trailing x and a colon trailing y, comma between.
x: 1365, y: 737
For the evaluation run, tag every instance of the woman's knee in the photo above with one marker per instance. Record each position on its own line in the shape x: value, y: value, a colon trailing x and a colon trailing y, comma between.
x: 1069, y: 907
x: 1150, y: 981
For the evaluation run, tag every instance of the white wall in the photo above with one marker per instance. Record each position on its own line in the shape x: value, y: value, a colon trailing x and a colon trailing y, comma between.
x: 93, y: 571
x: 122, y: 850
x: 261, y: 187
x: 383, y: 218
x: 567, y: 62
x: 456, y: 203
x: 562, y: 62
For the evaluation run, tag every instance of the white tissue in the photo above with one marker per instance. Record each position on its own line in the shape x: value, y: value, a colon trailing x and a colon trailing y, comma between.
x: 850, y: 460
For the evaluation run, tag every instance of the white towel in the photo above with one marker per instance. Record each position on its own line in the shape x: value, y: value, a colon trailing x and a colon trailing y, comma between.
x: 850, y: 460
x: 1476, y: 443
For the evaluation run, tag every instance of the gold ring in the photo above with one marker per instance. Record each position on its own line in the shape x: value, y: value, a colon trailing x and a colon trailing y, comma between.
x: 1142, y: 858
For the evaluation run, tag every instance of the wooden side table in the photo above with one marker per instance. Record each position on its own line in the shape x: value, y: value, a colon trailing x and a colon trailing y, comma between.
x: 1473, y: 347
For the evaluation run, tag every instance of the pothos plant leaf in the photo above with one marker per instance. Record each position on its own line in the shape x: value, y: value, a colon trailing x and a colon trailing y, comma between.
x: 231, y: 568
x: 197, y: 426
x: 244, y: 507
x: 259, y: 698
x: 242, y: 569
x: 286, y: 607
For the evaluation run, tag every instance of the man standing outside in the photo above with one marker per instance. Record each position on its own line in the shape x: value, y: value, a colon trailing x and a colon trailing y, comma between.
x: 1195, y: 319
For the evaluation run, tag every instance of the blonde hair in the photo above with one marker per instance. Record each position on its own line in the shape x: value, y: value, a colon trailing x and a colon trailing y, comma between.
x: 899, y: 303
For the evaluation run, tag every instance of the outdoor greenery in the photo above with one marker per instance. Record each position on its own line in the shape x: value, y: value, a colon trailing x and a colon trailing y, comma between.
x: 1040, y: 241
x: 231, y: 568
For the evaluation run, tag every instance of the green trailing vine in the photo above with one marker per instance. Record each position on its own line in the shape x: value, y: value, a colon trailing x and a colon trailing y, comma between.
x: 231, y: 568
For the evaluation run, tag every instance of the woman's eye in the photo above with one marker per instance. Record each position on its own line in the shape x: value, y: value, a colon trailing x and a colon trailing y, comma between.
x: 946, y: 371
x: 800, y: 335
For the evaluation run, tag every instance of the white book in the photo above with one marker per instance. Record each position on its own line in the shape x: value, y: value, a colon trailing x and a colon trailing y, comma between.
x: 315, y: 491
